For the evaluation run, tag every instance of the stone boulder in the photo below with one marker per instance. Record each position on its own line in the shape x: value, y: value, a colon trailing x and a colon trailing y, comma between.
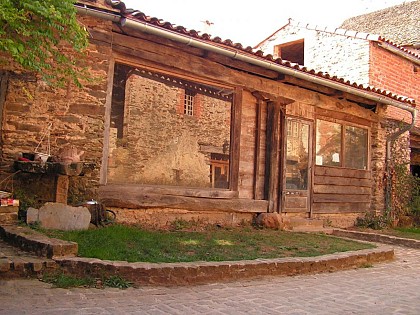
x: 270, y: 221
x: 59, y: 216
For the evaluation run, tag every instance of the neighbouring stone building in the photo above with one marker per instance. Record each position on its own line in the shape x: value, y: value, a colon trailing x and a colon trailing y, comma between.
x: 182, y: 125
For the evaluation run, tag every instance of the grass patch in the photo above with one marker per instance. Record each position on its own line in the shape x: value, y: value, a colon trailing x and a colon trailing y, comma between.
x: 413, y: 232
x: 61, y: 280
x: 138, y: 245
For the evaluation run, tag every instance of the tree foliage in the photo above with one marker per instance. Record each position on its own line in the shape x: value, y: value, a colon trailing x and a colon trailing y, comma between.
x: 43, y: 37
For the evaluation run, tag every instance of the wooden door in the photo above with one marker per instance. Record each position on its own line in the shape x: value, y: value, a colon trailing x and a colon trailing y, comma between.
x: 297, y: 166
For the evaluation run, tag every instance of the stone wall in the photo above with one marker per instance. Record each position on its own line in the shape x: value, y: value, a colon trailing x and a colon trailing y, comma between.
x: 328, y: 52
x: 378, y: 166
x: 76, y: 116
x: 337, y: 55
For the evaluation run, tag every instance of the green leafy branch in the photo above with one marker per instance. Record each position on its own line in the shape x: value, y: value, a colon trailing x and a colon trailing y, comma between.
x: 43, y: 37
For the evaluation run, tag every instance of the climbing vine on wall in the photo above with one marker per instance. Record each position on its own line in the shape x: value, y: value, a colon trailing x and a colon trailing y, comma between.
x: 43, y: 37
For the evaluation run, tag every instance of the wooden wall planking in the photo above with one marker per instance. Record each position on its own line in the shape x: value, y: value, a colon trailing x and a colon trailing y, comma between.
x: 340, y: 190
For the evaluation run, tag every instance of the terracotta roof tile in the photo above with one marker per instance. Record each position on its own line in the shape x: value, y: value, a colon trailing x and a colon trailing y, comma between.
x: 259, y: 54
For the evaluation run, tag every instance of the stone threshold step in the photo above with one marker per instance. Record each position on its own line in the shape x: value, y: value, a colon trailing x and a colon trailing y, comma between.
x: 32, y: 241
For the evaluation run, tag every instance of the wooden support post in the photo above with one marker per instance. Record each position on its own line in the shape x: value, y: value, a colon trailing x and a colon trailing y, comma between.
x: 108, y: 104
x: 272, y: 165
x: 235, y: 137
x: 257, y: 147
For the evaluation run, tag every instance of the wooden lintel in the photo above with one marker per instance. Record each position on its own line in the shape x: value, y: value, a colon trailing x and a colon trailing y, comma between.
x: 281, y: 77
x: 330, y: 114
x: 310, y: 85
x: 261, y: 96
x: 268, y: 97
x: 241, y: 65
x: 357, y: 99
x: 136, y: 197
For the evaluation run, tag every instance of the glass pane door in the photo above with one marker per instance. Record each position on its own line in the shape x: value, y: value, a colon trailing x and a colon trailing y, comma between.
x: 297, y: 166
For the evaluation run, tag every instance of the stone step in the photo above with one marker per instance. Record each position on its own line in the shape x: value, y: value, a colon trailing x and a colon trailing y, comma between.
x: 324, y: 230
x: 15, y: 263
x: 8, y: 218
x: 303, y: 224
x: 32, y: 241
x: 9, y: 209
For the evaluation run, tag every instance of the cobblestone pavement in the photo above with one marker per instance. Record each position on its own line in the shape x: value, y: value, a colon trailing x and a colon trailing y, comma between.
x: 388, y: 288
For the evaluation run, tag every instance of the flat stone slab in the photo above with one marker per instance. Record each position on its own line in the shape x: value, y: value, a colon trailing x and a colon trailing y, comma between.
x: 380, y: 238
x: 59, y: 216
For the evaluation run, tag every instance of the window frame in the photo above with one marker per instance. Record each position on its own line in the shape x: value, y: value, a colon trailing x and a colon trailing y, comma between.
x: 189, y: 102
x: 235, y: 129
x: 343, y: 125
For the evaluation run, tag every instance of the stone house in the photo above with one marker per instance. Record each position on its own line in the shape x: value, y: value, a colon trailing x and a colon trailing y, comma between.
x: 183, y: 125
x: 389, y: 61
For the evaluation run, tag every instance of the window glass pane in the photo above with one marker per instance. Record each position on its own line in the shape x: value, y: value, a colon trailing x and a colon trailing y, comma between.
x: 356, y: 147
x: 188, y: 103
x: 328, y: 143
x: 162, y: 134
x: 297, y: 157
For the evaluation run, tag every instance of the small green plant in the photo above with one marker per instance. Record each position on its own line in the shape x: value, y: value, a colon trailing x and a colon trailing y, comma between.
x: 61, y: 280
x: 373, y: 221
x: 327, y: 222
x: 366, y: 265
x: 406, y: 193
x: 35, y: 226
x: 116, y: 282
x: 180, y: 224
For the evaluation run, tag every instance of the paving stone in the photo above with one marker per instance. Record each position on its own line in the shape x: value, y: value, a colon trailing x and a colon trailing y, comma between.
x: 385, y: 288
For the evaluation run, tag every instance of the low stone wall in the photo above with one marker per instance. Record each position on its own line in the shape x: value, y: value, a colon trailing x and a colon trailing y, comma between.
x: 165, y: 217
x: 380, y: 238
x: 169, y: 274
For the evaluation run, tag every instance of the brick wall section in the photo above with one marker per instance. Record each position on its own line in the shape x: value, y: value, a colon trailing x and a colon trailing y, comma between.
x: 394, y: 73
